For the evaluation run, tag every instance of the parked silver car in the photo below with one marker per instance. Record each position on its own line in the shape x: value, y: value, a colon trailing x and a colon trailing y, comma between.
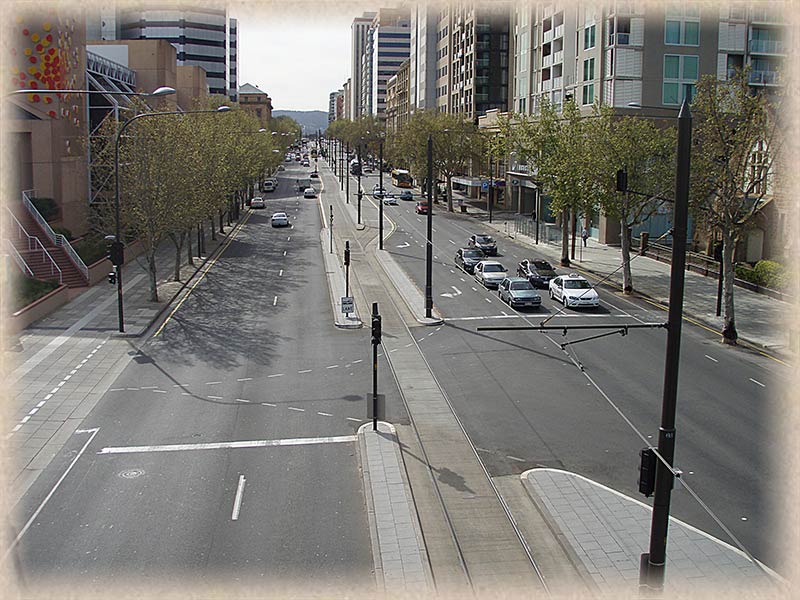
x: 490, y: 273
x: 518, y: 292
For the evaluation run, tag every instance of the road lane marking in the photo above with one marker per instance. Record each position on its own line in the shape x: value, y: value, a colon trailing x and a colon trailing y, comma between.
x: 515, y: 458
x: 149, y: 387
x: 297, y: 409
x: 487, y: 299
x: 324, y: 414
x: 210, y: 383
x: 352, y: 419
x: 305, y: 371
x: 52, y: 490
x: 358, y: 361
x: 280, y: 273
x: 215, y: 397
x: 245, y: 379
x: 274, y: 301
x: 237, y: 501
x: 451, y: 241
x: 711, y: 358
x: 757, y: 382
x: 275, y: 375
x: 474, y: 289
x: 159, y: 392
x: 284, y: 252
x: 332, y: 367
x: 289, y: 239
x: 268, y: 404
x: 228, y: 445
x: 242, y: 400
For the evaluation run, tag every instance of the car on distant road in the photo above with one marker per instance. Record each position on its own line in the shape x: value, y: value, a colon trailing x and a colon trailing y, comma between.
x: 538, y: 272
x: 297, y: 158
x: 309, y: 192
x: 406, y: 195
x: 280, y: 219
x: 305, y: 163
x: 421, y: 208
x: 268, y: 186
x: 281, y: 167
x: 378, y: 191
x: 573, y: 290
x: 518, y: 292
x: 467, y: 258
x: 314, y: 175
x: 483, y: 242
x: 258, y: 202
x: 366, y: 169
x: 390, y: 200
x: 489, y: 273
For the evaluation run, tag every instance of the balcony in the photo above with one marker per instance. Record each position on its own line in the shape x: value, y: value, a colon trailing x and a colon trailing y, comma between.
x: 558, y: 32
x: 547, y: 36
x: 547, y: 85
x: 763, y: 14
x: 558, y: 82
x: 766, y: 47
x: 764, y: 78
x: 558, y: 57
x: 619, y: 39
x: 547, y: 60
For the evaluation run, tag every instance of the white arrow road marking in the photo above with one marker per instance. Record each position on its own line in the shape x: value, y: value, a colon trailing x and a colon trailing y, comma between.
x: 229, y: 445
x: 456, y: 290
x: 404, y: 245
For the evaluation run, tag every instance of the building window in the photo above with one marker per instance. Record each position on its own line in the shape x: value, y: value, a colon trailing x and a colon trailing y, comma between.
x: 588, y: 69
x: 588, y: 37
x: 682, y: 25
x: 680, y: 75
x: 588, y: 94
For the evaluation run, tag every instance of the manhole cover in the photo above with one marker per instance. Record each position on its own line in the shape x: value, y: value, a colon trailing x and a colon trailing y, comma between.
x: 131, y: 473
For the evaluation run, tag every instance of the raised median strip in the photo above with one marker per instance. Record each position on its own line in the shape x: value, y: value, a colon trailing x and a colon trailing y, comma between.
x: 334, y: 272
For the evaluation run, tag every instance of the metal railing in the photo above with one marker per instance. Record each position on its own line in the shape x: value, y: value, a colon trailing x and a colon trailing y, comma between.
x: 764, y: 77
x: 105, y: 66
x: 18, y: 258
x: 35, y: 245
x: 766, y: 46
x: 57, y: 239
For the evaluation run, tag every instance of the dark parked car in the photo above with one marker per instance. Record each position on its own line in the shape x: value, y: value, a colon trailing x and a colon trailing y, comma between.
x: 518, y: 293
x: 406, y: 195
x: 483, y: 242
x: 467, y: 258
x: 538, y: 272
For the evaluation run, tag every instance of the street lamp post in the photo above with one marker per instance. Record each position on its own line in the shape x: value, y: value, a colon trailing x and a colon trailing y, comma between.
x: 346, y: 174
x: 359, y: 184
x: 383, y: 193
x: 654, y: 567
x: 118, y: 227
x: 429, y: 245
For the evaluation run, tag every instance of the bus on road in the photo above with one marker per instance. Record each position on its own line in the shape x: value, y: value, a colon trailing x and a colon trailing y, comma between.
x: 402, y: 178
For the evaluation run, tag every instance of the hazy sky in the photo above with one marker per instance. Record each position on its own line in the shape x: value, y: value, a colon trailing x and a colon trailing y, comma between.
x: 298, y: 52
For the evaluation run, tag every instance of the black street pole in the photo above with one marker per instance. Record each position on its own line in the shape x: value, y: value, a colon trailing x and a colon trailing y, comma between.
x: 429, y: 247
x: 536, y: 211
x: 383, y: 193
x: 346, y: 173
x: 656, y: 559
x: 491, y: 191
x: 359, y: 184
x: 341, y: 171
x: 375, y: 343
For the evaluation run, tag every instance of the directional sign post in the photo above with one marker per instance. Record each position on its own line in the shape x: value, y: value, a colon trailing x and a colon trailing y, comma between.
x: 347, y: 305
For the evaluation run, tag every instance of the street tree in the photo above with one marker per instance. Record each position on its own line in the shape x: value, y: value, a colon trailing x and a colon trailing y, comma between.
x: 737, y: 140
x: 646, y: 153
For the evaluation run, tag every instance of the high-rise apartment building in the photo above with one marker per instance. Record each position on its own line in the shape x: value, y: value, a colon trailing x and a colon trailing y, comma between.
x: 198, y: 33
x: 347, y: 110
x: 422, y: 55
x: 233, y: 62
x: 334, y: 101
x: 359, y: 30
x: 387, y: 48
x: 472, y: 55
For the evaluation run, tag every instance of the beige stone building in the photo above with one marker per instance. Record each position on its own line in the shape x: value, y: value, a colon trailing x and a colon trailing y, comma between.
x: 257, y: 101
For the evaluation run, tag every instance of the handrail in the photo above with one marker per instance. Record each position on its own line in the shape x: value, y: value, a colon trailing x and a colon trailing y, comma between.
x: 58, y: 239
x: 35, y: 244
x: 18, y: 258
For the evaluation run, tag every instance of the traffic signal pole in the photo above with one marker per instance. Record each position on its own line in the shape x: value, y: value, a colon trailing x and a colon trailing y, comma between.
x: 376, y: 340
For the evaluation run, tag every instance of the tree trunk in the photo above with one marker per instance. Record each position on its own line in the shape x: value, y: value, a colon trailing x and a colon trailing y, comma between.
x: 574, y: 231
x: 213, y: 232
x: 177, y: 240
x: 151, y: 270
x: 729, y: 335
x: 565, y: 238
x: 189, y: 246
x: 221, y: 230
x: 449, y: 193
x: 627, y: 279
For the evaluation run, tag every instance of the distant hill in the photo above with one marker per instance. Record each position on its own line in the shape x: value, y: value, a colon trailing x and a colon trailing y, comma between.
x: 311, y: 120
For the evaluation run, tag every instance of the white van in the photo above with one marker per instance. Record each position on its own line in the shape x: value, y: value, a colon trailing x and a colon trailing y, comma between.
x: 268, y: 186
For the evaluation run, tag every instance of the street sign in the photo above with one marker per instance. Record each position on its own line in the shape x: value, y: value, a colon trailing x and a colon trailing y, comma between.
x: 515, y: 182
x: 347, y: 304
x: 484, y: 185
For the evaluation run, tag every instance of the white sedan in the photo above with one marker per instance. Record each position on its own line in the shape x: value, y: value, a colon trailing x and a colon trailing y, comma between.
x: 309, y: 192
x: 573, y: 291
x: 258, y: 202
x: 280, y: 219
x: 490, y: 273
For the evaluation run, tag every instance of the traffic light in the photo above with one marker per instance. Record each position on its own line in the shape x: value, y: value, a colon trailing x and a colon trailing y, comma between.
x: 112, y: 277
x: 376, y: 329
x: 622, y: 180
x: 347, y: 254
x: 647, y: 471
x: 116, y: 253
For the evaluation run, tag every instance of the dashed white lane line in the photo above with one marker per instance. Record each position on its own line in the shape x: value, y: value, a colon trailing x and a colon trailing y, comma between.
x: 324, y: 414
x: 297, y: 409
x: 711, y: 358
x: 451, y: 241
x: 159, y: 392
x: 515, y: 458
x: 268, y: 404
x: 474, y: 289
x: 33, y: 411
x: 41, y: 404
x: 757, y: 382
x: 284, y: 252
x: 487, y: 299
x: 274, y: 301
x: 352, y: 419
x: 215, y: 397
x: 148, y: 387
x: 237, y: 501
x: 407, y: 345
x: 305, y: 371
x: 462, y: 279
x: 332, y: 367
x: 242, y: 400
x: 229, y: 445
x: 210, y: 383
x: 355, y: 362
x: 245, y: 379
x: 275, y: 375
x: 280, y: 273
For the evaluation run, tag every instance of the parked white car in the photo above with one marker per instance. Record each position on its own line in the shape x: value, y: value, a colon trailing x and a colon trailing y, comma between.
x: 258, y: 202
x: 573, y: 291
x: 309, y: 192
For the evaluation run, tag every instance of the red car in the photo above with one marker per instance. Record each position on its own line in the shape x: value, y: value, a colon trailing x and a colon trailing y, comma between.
x: 422, y: 208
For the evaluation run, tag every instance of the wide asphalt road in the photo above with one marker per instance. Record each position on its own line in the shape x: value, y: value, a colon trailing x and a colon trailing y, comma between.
x: 226, y: 450
x: 591, y: 407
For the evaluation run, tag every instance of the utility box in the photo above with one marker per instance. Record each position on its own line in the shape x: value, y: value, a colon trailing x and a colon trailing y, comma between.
x: 647, y: 471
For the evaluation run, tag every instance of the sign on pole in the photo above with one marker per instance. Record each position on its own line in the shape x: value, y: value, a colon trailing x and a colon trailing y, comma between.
x: 347, y: 305
x: 484, y: 185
